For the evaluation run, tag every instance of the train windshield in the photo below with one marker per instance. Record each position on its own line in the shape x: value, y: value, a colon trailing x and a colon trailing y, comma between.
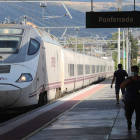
x: 9, y: 44
x: 11, y: 31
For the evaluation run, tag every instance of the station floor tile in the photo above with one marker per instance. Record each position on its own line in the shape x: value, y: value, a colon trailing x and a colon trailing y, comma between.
x: 95, y: 118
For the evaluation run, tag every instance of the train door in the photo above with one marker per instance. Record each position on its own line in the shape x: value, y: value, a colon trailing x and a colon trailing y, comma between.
x: 57, y: 67
x: 43, y: 66
x: 40, y: 82
x: 90, y: 63
x: 75, y: 71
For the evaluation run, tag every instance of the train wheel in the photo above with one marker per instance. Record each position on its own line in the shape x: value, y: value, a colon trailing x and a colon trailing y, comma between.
x: 45, y: 99
x: 42, y: 99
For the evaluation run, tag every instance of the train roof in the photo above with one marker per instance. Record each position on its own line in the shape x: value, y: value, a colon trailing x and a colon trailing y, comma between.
x: 48, y: 37
x: 42, y: 33
x: 15, y: 26
x: 88, y: 55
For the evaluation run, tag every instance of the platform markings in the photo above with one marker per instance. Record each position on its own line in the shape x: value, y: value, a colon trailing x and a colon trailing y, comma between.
x: 39, y: 129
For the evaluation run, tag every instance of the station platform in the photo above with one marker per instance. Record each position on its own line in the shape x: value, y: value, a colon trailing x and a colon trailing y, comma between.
x: 88, y: 114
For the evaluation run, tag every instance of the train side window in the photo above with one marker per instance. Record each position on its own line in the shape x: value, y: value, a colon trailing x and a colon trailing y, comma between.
x: 97, y: 68
x: 68, y: 67
x: 93, y: 68
x: 33, y: 47
x: 80, y: 69
x: 71, y: 69
x: 100, y: 68
x: 87, y: 69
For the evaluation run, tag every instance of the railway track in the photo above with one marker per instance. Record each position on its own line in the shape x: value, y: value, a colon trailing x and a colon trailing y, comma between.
x: 5, y: 118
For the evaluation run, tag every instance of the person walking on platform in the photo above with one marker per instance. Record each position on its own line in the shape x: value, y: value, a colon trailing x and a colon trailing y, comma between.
x: 132, y: 97
x: 119, y: 76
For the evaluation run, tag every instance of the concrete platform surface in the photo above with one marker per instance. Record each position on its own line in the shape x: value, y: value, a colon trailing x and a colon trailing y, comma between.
x: 95, y: 118
x: 89, y: 114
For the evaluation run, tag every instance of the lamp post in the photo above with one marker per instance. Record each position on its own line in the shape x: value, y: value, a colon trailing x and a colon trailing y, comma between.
x: 119, y: 4
x: 83, y: 48
x: 129, y: 58
x: 127, y: 51
x: 65, y: 40
x: 123, y: 50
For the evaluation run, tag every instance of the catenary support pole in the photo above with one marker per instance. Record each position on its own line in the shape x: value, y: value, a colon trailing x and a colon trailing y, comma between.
x: 101, y: 50
x: 48, y: 30
x: 119, y: 2
x: 123, y: 51
x: 118, y: 45
x: 91, y: 5
x: 65, y: 40
x: 129, y: 58
x: 83, y: 48
x: 134, y: 5
x: 76, y: 44
x: 127, y: 51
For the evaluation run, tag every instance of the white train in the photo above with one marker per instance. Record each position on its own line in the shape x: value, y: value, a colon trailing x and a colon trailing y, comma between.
x: 35, y: 68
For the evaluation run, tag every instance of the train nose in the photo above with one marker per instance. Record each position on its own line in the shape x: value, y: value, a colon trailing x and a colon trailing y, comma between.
x: 9, y: 95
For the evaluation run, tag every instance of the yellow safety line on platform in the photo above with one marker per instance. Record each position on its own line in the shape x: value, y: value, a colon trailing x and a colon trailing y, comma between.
x: 33, y: 133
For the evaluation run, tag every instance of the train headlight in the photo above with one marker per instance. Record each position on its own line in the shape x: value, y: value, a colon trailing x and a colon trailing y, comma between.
x: 25, y: 77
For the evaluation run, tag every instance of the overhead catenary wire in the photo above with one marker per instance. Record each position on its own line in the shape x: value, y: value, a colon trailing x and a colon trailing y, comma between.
x: 53, y: 31
x: 38, y: 17
x: 16, y: 13
x: 29, y: 13
x: 11, y: 10
x: 55, y: 19
x: 80, y: 33
x: 18, y: 18
x: 42, y: 23
x: 87, y: 33
x: 62, y: 18
x: 74, y: 21
x: 36, y: 21
x: 58, y: 30
x: 29, y: 9
x: 51, y: 15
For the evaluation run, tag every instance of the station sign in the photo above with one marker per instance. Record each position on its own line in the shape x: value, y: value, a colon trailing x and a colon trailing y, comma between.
x: 121, y: 19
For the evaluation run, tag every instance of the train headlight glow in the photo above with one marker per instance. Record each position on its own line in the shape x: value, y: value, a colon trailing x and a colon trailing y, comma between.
x: 25, y: 77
